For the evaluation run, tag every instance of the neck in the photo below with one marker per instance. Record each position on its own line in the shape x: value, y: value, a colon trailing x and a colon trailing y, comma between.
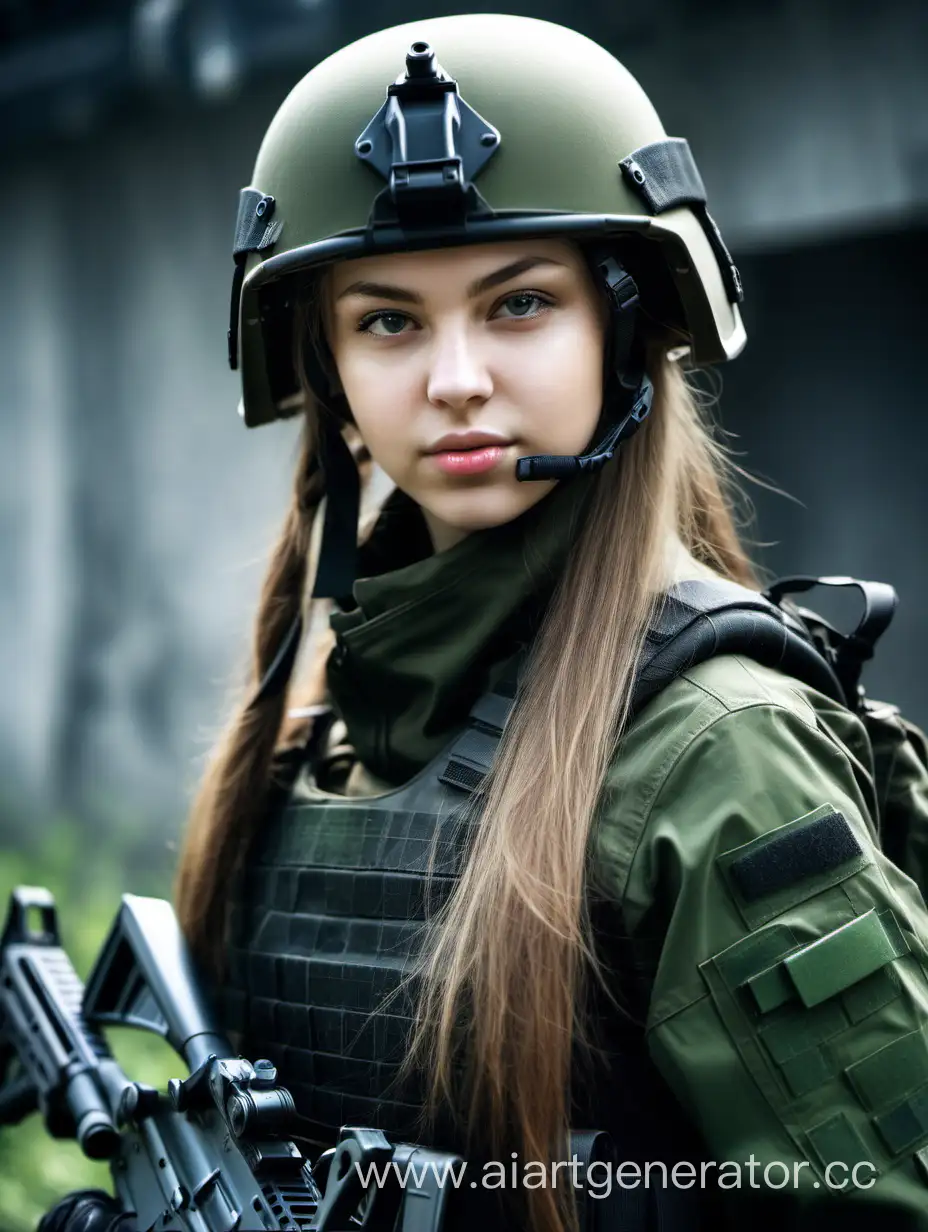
x: 681, y: 565
x: 442, y: 535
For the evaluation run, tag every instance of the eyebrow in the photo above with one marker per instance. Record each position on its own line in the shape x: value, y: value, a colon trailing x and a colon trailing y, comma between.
x: 384, y: 290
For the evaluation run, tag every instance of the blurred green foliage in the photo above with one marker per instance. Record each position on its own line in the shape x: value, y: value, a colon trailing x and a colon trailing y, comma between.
x: 87, y: 871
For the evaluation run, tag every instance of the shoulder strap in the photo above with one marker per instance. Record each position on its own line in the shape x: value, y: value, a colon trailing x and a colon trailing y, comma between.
x: 472, y: 753
x: 622, y: 1209
x: 697, y: 621
x: 701, y: 619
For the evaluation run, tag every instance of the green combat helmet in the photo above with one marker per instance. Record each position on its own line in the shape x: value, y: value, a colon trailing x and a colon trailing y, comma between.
x: 465, y: 130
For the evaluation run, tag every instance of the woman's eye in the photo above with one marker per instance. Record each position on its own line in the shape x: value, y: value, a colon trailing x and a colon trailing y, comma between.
x: 392, y: 323
x: 524, y: 304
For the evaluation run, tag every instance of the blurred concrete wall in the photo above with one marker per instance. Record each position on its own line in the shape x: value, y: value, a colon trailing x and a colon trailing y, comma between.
x: 135, y: 510
x: 828, y: 403
x: 806, y: 116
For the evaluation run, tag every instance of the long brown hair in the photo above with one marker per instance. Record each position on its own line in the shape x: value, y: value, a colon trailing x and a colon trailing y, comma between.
x: 510, y: 952
x: 513, y: 943
x: 240, y: 777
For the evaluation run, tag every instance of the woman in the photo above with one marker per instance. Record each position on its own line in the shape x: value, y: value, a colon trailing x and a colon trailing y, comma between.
x: 679, y: 928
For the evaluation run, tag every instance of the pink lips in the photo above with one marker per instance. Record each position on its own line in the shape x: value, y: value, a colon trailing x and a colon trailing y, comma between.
x: 469, y: 461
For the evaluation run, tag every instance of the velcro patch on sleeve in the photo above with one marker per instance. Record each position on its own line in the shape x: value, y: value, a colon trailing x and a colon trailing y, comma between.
x: 844, y: 957
x: 820, y: 846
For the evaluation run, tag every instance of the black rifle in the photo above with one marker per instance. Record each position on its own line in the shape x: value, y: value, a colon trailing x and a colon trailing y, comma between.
x: 213, y: 1153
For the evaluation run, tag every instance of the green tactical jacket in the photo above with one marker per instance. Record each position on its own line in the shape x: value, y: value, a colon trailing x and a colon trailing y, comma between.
x: 778, y: 959
x: 785, y: 956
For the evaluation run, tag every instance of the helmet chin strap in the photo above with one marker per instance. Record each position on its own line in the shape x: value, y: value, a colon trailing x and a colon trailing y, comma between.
x: 627, y: 400
x: 628, y: 392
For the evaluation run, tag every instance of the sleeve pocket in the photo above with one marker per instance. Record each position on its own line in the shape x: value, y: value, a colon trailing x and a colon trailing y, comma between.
x: 828, y: 1010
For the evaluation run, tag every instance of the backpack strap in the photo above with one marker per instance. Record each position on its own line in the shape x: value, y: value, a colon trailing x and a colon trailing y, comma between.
x: 701, y: 619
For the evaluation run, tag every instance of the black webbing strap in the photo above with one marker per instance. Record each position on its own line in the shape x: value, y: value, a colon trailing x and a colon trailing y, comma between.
x: 254, y: 231
x: 277, y: 676
x: 338, y: 552
x: 623, y: 296
x: 602, y: 1204
x: 664, y: 175
x: 472, y: 754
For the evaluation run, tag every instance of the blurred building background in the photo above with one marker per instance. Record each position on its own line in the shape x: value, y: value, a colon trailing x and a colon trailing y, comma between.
x: 135, y: 508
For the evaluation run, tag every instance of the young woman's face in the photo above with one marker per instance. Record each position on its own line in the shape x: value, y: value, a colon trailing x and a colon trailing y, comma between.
x: 503, y: 340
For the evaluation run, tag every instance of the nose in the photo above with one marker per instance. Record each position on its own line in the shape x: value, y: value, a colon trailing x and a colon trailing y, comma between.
x: 458, y: 372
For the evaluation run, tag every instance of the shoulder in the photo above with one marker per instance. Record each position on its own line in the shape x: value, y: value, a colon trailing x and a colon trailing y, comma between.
x: 728, y: 684
x: 730, y: 750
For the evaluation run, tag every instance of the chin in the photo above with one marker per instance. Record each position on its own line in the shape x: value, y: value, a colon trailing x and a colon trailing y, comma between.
x: 481, y: 510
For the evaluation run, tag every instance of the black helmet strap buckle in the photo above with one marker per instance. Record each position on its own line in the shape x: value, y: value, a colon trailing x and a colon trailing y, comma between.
x: 428, y: 144
x: 622, y: 294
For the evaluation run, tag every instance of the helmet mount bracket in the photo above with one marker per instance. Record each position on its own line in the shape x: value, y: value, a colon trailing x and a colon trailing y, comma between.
x: 428, y: 144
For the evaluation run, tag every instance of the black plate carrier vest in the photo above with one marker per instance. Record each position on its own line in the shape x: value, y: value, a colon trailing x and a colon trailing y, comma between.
x: 327, y: 912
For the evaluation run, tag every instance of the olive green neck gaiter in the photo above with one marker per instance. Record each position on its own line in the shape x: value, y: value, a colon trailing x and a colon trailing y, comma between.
x: 431, y: 632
